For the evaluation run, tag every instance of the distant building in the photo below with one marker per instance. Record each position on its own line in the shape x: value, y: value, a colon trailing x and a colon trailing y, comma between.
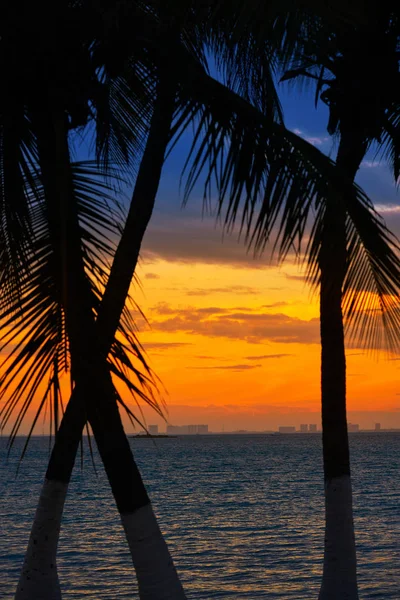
x: 312, y: 428
x: 285, y: 429
x: 153, y: 429
x: 186, y: 429
x: 352, y: 427
x: 377, y: 426
x: 175, y: 429
x: 202, y: 428
x: 304, y: 428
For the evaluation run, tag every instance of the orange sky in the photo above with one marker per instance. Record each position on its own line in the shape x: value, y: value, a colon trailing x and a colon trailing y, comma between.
x: 236, y: 344
x: 237, y: 347
x: 235, y: 341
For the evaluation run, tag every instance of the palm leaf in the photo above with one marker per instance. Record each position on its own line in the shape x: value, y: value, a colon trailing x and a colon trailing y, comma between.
x: 372, y: 281
x: 33, y: 326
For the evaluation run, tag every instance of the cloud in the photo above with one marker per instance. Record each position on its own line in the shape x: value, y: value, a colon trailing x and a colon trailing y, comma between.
x: 184, y: 239
x: 164, y: 345
x: 296, y: 277
x: 267, y: 356
x: 229, y: 367
x: 388, y: 208
x: 370, y: 164
x: 163, y: 308
x: 275, y: 305
x: 151, y: 276
x: 232, y: 289
x: 315, y: 140
x: 253, y: 357
x: 250, y: 326
x: 208, y: 357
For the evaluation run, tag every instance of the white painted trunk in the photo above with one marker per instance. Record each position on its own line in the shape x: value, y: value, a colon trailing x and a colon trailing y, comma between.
x: 39, y: 579
x: 155, y: 570
x: 339, y: 580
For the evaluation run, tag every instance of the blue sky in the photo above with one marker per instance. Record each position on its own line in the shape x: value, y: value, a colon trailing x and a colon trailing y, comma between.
x: 173, y: 228
x: 183, y: 234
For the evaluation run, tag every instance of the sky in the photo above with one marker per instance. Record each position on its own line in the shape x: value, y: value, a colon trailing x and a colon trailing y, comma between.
x: 234, y: 339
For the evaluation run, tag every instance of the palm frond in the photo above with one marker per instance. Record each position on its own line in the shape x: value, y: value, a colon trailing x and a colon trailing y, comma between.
x: 33, y: 334
x: 371, y: 301
x: 371, y: 289
x: 252, y: 161
x: 273, y: 181
x: 389, y: 147
x: 15, y: 218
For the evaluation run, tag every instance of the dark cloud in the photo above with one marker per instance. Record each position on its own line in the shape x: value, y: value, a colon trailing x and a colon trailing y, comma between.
x: 229, y: 367
x: 185, y: 236
x: 296, y: 277
x: 151, y: 276
x: 180, y: 238
x: 267, y: 356
x: 208, y: 357
x: 163, y: 308
x: 250, y: 326
x: 275, y: 305
x: 164, y: 345
x: 233, y: 289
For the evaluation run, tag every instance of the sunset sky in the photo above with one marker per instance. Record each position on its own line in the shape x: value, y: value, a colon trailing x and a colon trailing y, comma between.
x: 235, y: 340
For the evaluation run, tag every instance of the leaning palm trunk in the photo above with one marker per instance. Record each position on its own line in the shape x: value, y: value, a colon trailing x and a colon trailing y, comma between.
x: 339, y: 581
x: 157, y: 577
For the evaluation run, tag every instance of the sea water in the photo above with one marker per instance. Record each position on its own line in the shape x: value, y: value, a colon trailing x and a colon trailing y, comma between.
x: 243, y: 516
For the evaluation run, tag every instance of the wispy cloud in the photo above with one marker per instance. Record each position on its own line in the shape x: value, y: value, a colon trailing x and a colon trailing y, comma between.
x: 151, y: 276
x: 184, y: 239
x: 388, y: 208
x: 370, y: 164
x: 296, y: 277
x: 315, y: 140
x: 164, y: 345
x: 208, y: 357
x: 267, y: 356
x: 253, y: 326
x: 275, y: 305
x: 229, y: 367
x: 232, y: 289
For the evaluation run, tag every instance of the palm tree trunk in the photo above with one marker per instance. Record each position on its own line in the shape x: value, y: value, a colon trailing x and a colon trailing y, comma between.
x: 339, y: 580
x: 156, y: 573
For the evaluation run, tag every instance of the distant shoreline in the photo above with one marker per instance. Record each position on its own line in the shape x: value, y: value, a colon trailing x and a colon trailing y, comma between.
x: 213, y: 433
x: 4, y: 435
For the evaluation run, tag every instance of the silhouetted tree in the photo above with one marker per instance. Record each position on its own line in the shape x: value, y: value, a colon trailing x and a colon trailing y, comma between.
x: 356, y: 72
x: 118, y: 68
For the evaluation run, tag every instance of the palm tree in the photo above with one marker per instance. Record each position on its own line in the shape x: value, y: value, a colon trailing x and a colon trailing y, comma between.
x: 356, y: 72
x: 54, y: 270
x: 260, y: 149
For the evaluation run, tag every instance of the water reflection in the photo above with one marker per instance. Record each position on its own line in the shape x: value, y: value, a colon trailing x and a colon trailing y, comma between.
x: 243, y: 517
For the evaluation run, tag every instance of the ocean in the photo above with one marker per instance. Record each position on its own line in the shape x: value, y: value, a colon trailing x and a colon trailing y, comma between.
x: 243, y: 516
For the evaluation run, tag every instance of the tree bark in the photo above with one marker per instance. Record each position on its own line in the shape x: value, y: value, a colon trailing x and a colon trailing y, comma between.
x: 93, y: 381
x: 339, y: 580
